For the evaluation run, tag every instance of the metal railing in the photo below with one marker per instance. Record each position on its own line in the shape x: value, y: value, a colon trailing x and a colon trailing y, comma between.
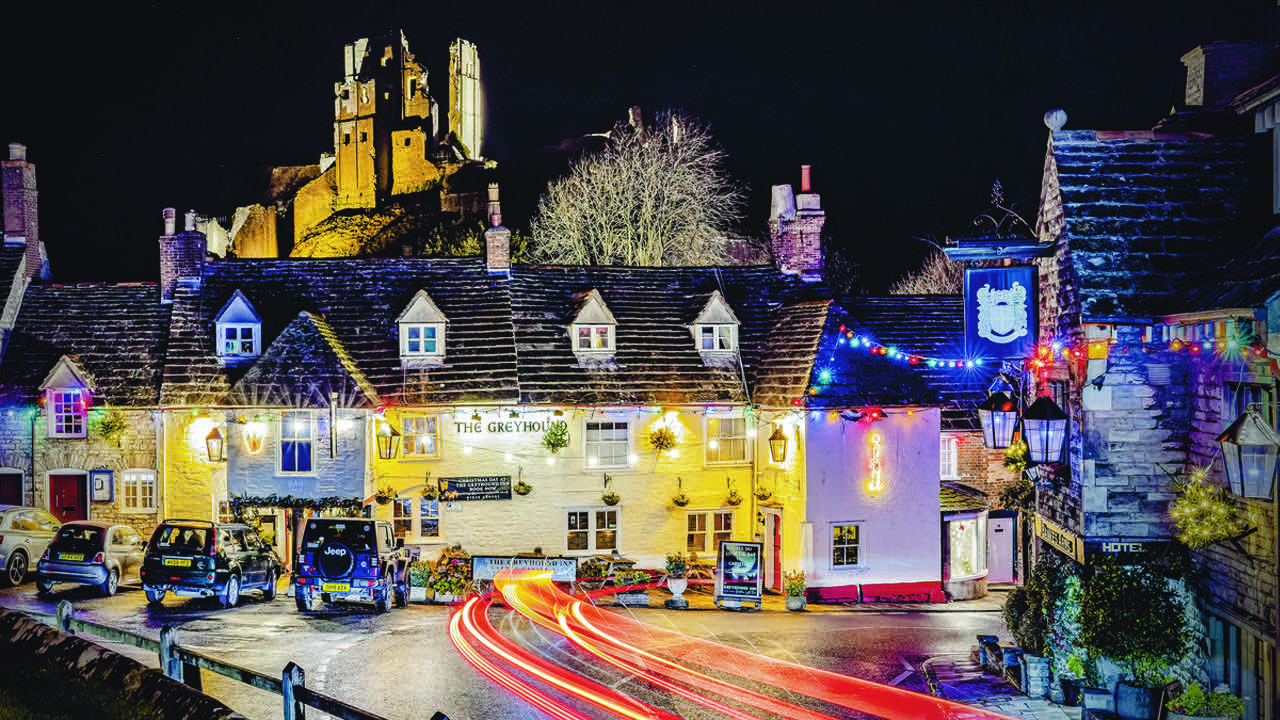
x: 184, y: 665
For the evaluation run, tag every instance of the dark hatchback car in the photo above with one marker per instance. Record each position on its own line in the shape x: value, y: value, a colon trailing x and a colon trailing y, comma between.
x: 90, y: 552
x: 198, y: 558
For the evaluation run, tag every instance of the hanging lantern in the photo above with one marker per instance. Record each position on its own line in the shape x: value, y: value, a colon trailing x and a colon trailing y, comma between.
x: 998, y: 417
x: 1044, y: 427
x: 778, y: 445
x: 214, y: 443
x: 388, y: 441
x: 1249, y: 447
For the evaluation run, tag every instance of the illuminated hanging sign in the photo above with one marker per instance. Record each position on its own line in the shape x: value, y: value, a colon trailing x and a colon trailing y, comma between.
x: 1000, y: 312
x: 876, y: 483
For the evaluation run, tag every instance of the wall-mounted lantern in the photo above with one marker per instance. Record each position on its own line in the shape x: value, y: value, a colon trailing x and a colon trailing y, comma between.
x: 998, y: 416
x: 778, y: 445
x: 1249, y: 448
x: 1044, y: 428
x: 388, y: 441
x: 215, y: 444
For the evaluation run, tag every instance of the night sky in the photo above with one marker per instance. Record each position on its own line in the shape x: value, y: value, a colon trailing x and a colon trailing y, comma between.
x: 907, y: 111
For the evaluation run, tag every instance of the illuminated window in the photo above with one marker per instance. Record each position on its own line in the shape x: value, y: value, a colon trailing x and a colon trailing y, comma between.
x: 420, y: 436
x: 416, y: 519
x: 592, y: 331
x: 948, y: 451
x: 967, y: 540
x: 706, y: 530
x: 726, y: 439
x: 422, y: 329
x: 846, y: 540
x: 717, y: 337
x: 715, y: 330
x: 420, y: 339
x: 598, y: 338
x: 591, y: 530
x: 138, y: 486
x: 239, y: 331
x: 66, y: 411
x: 297, y: 442
x: 607, y: 443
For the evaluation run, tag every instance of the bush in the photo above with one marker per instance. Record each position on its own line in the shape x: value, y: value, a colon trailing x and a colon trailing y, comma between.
x: 1128, y: 614
x: 1027, y: 609
x: 793, y: 583
x: 623, y: 578
x: 1219, y: 703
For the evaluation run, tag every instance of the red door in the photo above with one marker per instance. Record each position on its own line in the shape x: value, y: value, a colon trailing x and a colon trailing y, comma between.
x: 775, y: 521
x: 68, y: 497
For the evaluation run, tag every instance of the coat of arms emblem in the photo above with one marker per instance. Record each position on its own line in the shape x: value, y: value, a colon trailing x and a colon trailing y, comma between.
x: 1002, y: 314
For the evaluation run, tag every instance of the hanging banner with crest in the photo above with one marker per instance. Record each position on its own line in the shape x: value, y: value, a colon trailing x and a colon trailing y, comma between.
x: 1000, y: 312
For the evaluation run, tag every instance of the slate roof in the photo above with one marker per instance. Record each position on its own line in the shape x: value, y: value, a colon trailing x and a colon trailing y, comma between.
x: 1248, y: 280
x: 358, y: 301
x: 928, y: 326
x: 1146, y: 214
x: 790, y: 351
x: 117, y: 333
x: 656, y: 360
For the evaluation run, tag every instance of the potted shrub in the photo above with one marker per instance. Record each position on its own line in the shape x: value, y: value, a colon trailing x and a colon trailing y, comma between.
x: 591, y: 573
x: 628, y: 595
x: 677, y: 566
x: 419, y: 579
x: 1193, y: 702
x: 793, y: 587
x: 450, y: 580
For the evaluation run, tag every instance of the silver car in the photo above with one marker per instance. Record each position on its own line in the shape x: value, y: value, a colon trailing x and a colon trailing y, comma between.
x: 90, y: 552
x: 24, y: 534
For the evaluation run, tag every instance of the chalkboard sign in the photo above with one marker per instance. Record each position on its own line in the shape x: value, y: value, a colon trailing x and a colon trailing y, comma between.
x: 488, y: 487
x: 739, y: 574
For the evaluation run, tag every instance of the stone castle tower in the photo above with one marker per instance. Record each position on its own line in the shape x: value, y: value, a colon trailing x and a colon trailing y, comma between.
x: 466, y: 103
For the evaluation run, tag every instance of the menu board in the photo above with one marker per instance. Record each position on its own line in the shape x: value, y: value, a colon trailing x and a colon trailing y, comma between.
x: 739, y: 573
x: 487, y: 487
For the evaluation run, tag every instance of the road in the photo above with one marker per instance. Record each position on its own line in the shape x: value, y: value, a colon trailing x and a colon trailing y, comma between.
x: 402, y: 665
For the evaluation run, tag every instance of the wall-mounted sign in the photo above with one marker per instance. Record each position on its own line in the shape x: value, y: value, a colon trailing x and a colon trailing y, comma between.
x: 1067, y: 542
x: 488, y: 487
x: 1000, y: 312
x: 102, y: 486
x: 505, y: 426
x: 1125, y: 550
x: 486, y: 567
x: 739, y: 574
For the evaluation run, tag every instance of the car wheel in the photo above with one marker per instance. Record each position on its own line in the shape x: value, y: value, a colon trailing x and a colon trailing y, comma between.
x: 402, y: 596
x: 108, y: 586
x: 382, y: 600
x: 44, y: 587
x: 154, y: 595
x: 269, y: 590
x: 16, y: 571
x: 303, y: 599
x: 230, y: 592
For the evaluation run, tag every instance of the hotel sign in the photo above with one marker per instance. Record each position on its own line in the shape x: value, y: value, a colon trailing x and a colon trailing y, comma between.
x: 1065, y: 541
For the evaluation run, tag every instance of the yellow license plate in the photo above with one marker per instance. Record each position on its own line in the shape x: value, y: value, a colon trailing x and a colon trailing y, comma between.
x: 71, y: 556
x: 178, y: 562
x: 335, y: 587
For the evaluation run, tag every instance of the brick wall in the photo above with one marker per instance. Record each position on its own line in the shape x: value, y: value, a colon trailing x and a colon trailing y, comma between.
x: 797, y: 244
x: 20, y: 196
x: 181, y: 256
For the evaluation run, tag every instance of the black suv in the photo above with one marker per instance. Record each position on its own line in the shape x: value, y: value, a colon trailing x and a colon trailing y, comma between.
x: 351, y: 559
x: 198, y: 558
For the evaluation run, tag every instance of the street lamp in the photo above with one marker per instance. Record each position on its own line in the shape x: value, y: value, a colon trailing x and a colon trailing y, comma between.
x: 214, y: 444
x: 388, y: 441
x: 1249, y: 449
x: 778, y: 445
x: 1044, y: 428
x: 998, y: 417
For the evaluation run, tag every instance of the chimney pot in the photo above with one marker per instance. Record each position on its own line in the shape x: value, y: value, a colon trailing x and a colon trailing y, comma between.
x: 804, y: 179
x: 170, y: 215
x: 17, y: 151
x: 189, y: 223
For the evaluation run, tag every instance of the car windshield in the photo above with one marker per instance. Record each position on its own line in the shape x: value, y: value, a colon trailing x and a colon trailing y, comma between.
x: 78, y: 538
x: 354, y: 534
x: 180, y: 539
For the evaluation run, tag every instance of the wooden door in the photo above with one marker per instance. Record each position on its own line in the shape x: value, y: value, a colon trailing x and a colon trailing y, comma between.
x: 10, y: 488
x: 68, y: 497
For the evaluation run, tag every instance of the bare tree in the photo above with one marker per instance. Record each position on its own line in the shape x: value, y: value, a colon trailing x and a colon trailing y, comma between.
x: 656, y: 195
x: 937, y: 276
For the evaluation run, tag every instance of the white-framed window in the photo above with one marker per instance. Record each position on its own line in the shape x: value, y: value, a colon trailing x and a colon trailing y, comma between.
x: 591, y: 529
x: 297, y: 442
x: 416, y: 519
x: 138, y: 486
x: 706, y: 529
x: 420, y: 436
x: 421, y: 339
x: 846, y: 545
x: 717, y: 338
x: 241, y: 340
x: 607, y: 443
x: 967, y: 537
x: 593, y: 338
x: 727, y: 441
x: 949, y: 457
x: 238, y: 331
x: 67, y: 410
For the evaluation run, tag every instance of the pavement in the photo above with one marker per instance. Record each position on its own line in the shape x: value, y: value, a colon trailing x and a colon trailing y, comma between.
x: 959, y: 678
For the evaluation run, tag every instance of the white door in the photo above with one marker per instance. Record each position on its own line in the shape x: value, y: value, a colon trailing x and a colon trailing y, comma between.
x: 1001, y: 543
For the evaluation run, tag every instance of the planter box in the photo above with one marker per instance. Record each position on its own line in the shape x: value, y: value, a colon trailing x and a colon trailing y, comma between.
x: 1137, y: 703
x: 445, y: 599
x: 1097, y: 699
x: 1179, y: 716
x: 418, y: 593
x: 632, y: 599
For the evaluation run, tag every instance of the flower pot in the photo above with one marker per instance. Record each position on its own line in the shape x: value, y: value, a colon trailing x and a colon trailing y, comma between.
x: 1070, y: 691
x: 677, y: 586
x: 1137, y: 703
x: 795, y: 603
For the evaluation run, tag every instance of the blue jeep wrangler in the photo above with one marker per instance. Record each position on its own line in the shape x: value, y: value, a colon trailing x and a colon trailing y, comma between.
x: 351, y: 560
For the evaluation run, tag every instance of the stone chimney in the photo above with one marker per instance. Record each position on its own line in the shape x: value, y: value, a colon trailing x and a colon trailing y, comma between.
x: 497, y: 239
x: 795, y: 229
x: 21, y: 223
x: 181, y: 254
x: 1219, y: 71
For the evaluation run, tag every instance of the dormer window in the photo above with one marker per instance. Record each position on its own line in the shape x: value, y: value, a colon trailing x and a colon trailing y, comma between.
x: 715, y: 330
x: 593, y: 329
x: 422, y: 332
x: 239, y: 331
x: 66, y: 399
